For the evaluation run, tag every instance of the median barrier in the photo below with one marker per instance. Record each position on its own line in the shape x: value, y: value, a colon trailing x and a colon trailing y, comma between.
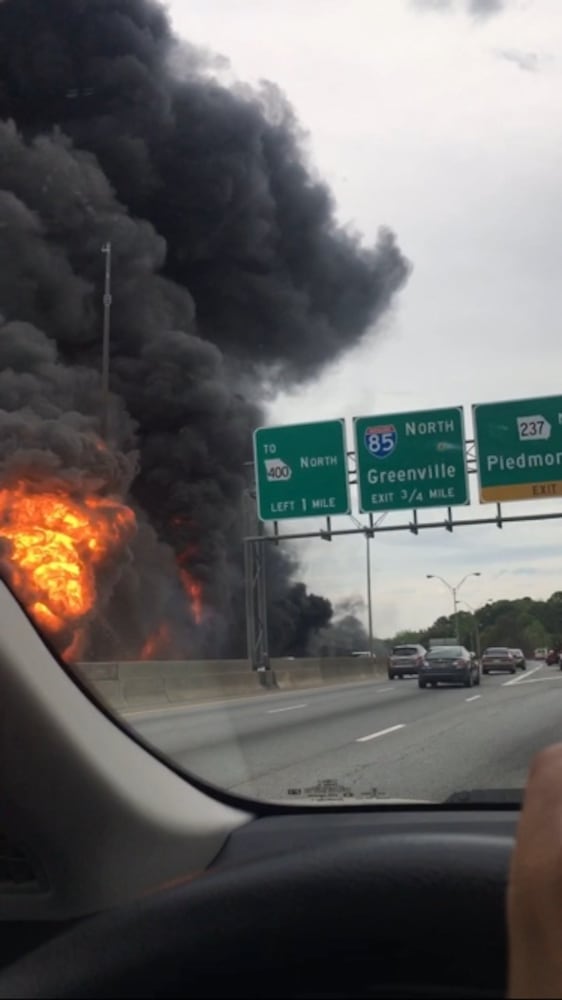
x: 325, y: 670
x: 296, y: 674
x: 336, y: 670
x: 134, y: 685
x: 152, y: 684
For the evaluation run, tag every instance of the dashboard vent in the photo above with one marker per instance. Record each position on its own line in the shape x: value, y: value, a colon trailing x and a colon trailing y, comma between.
x: 18, y: 872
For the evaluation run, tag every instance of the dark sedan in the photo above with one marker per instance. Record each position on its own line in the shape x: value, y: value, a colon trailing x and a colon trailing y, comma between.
x: 450, y: 665
x: 498, y: 658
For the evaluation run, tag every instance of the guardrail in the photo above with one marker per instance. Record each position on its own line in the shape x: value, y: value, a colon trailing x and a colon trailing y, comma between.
x: 137, y: 685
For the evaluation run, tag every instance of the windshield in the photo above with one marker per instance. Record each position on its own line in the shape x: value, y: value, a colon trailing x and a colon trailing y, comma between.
x: 263, y: 270
x: 445, y: 652
x: 498, y: 651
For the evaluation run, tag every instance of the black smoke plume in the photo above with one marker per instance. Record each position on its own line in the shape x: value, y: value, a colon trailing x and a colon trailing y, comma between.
x: 230, y: 274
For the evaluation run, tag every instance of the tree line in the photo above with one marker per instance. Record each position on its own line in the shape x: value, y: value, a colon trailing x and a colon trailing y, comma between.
x: 524, y: 624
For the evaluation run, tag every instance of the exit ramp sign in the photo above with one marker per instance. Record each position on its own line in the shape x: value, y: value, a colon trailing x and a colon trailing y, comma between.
x: 411, y: 460
x: 519, y: 449
x: 301, y: 470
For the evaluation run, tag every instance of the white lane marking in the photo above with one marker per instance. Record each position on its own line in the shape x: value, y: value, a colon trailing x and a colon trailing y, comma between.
x: 382, y: 732
x: 542, y: 680
x: 525, y: 674
x: 288, y: 708
x: 382, y: 690
x: 475, y: 697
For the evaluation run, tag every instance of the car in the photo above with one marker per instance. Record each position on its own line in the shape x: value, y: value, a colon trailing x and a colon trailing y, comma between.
x: 540, y: 654
x: 498, y: 658
x: 405, y: 661
x: 449, y: 664
x: 519, y: 657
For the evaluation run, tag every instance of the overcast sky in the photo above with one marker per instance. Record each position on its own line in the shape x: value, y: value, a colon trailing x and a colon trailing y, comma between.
x: 441, y: 120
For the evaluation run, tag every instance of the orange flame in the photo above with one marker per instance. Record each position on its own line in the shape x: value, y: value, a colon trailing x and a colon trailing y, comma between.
x: 56, y: 543
x: 194, y: 591
x: 192, y: 588
x: 156, y: 643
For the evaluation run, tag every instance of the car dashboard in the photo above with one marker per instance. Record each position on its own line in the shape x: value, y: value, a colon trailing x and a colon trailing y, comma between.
x: 388, y: 902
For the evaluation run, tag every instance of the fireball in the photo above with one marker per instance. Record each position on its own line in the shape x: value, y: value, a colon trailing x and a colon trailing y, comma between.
x: 56, y: 542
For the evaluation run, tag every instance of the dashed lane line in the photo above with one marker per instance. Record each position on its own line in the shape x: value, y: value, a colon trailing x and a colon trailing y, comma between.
x: 287, y: 708
x: 381, y: 732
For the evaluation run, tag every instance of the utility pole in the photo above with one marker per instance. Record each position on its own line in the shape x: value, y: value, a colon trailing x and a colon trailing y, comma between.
x: 104, y: 421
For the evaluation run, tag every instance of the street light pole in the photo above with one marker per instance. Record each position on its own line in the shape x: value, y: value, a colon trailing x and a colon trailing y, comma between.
x: 476, y: 626
x: 106, y: 249
x: 369, y: 534
x: 454, y: 591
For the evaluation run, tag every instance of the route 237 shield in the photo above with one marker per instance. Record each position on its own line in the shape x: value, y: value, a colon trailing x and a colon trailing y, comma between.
x: 380, y: 440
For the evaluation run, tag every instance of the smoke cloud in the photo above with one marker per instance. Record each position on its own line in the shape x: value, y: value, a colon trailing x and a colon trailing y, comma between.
x: 230, y: 273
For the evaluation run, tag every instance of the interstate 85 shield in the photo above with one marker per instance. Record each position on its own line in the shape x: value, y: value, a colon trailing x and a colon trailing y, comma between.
x: 380, y: 440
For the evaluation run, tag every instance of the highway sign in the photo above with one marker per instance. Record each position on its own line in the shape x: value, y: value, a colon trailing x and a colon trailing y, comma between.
x: 411, y: 460
x: 519, y: 449
x: 301, y: 470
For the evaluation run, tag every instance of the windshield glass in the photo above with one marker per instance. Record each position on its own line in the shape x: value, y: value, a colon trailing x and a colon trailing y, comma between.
x: 263, y: 270
x: 445, y: 652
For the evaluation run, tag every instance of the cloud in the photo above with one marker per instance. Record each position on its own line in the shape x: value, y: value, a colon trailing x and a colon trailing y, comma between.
x: 485, y: 8
x: 530, y: 62
x: 432, y: 4
x: 478, y: 8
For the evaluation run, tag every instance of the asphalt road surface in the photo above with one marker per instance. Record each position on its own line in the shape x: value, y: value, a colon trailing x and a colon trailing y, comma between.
x: 379, y: 740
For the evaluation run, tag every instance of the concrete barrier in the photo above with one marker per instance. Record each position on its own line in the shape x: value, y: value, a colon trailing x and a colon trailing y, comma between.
x: 129, y: 686
x: 153, y: 684
x: 295, y: 676
x: 312, y: 672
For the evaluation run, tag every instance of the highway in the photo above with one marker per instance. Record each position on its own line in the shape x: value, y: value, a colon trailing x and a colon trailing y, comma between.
x: 378, y: 740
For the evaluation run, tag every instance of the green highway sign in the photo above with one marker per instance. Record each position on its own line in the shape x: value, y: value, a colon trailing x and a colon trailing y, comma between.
x: 301, y: 470
x: 519, y: 449
x: 411, y: 460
